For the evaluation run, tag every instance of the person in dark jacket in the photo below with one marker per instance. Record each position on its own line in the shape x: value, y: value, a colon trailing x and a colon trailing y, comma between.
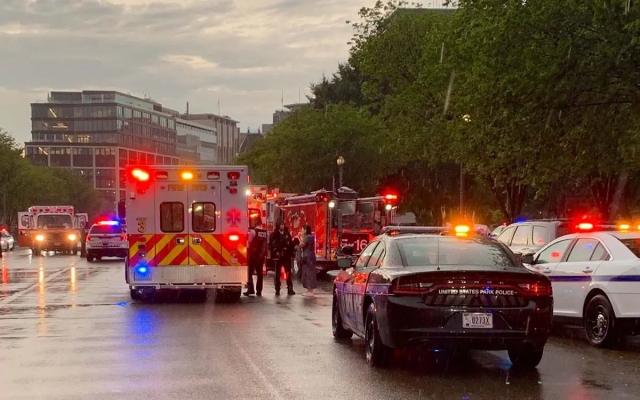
x: 257, y: 252
x: 281, y: 246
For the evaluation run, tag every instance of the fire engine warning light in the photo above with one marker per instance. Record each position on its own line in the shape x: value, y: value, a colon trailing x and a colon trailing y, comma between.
x: 187, y: 176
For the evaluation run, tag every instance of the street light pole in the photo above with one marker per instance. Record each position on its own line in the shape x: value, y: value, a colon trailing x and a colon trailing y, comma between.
x: 461, y: 190
x: 340, y: 162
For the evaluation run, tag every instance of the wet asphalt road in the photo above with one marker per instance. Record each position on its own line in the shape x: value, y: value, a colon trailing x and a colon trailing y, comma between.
x: 68, y: 330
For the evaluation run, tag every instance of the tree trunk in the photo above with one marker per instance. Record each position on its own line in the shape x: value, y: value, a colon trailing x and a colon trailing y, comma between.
x: 617, y: 194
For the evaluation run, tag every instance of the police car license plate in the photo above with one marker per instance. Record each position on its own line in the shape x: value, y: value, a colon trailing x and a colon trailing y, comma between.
x: 477, y: 320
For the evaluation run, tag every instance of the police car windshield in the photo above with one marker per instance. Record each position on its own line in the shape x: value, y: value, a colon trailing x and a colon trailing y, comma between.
x: 452, y: 251
x: 106, y: 229
x: 633, y: 245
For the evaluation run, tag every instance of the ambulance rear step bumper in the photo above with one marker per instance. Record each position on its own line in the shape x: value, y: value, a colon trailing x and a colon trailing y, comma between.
x: 193, y: 277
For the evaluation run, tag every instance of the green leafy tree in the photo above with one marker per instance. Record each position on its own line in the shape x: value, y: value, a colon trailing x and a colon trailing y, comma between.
x: 300, y: 153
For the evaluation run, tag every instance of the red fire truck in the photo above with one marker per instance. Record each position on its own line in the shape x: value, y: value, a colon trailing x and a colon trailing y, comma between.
x: 257, y: 204
x: 339, y: 219
x: 362, y: 219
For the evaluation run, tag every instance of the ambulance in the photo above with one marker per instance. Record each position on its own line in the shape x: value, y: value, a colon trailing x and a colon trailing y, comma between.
x: 187, y: 229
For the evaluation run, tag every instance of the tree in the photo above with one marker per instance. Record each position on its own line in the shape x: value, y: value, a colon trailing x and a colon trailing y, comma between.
x: 536, y: 78
x: 24, y: 185
x: 9, y: 166
x: 299, y: 154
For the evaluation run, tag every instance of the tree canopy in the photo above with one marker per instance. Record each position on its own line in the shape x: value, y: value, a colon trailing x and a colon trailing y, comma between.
x: 538, y: 101
x: 24, y: 185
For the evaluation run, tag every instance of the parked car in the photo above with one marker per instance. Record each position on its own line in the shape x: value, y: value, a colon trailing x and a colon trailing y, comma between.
x: 7, y: 243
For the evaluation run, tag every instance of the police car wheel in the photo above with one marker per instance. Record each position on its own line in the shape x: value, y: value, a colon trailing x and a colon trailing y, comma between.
x: 135, y: 295
x: 378, y: 355
x: 526, y: 357
x: 339, y: 332
x: 600, y: 322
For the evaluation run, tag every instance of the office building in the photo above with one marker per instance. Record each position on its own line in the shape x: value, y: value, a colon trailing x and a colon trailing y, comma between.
x: 197, y: 143
x: 97, y: 133
x: 227, y: 130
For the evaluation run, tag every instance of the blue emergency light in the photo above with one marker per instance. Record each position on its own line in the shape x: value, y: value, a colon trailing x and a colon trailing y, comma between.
x: 109, y: 223
x: 142, y: 270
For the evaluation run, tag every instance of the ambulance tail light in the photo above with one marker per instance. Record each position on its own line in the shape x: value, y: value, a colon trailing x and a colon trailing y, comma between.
x: 233, y: 190
x: 233, y: 176
x: 187, y: 176
x: 140, y: 175
x: 123, y: 237
x: 234, y: 238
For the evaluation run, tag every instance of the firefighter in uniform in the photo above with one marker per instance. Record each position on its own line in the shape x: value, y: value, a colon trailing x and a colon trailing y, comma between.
x: 281, y: 245
x: 257, y: 253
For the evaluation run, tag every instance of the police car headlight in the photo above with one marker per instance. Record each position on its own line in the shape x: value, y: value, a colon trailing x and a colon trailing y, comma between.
x: 39, y: 238
x: 72, y: 237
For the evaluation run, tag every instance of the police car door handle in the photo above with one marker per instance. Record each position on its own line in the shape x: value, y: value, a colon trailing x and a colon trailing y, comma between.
x: 587, y: 270
x: 546, y: 271
x: 179, y: 240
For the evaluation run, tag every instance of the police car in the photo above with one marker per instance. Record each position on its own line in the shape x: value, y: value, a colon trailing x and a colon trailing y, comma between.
x: 441, y: 288
x: 106, y: 239
x: 596, y: 282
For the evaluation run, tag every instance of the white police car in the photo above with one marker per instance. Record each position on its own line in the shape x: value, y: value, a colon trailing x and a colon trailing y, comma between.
x: 595, y: 278
x: 106, y: 239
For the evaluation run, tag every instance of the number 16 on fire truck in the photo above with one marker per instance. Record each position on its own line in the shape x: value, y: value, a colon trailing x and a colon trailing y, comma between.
x: 187, y: 229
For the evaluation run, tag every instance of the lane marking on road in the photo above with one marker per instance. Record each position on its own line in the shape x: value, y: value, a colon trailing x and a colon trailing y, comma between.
x: 15, y: 296
x: 272, y: 389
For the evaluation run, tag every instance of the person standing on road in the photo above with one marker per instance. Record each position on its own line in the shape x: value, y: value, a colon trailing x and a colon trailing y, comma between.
x: 281, y: 245
x: 308, y: 267
x: 257, y: 252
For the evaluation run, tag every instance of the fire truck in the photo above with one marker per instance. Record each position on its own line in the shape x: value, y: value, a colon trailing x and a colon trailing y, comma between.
x: 274, y: 214
x: 51, y: 228
x: 257, y: 203
x: 339, y: 219
x: 362, y: 219
x: 187, y: 229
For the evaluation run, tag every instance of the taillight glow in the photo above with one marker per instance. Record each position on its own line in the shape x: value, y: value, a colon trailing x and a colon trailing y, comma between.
x: 88, y: 237
x: 187, y: 176
x: 535, y: 289
x: 234, y: 238
x: 123, y: 237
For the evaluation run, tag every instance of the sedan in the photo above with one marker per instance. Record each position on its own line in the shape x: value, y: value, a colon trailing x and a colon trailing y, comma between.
x: 429, y: 291
x: 596, y: 282
x: 7, y: 243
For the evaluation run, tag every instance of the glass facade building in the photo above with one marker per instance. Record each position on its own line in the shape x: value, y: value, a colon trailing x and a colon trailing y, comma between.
x: 97, y: 133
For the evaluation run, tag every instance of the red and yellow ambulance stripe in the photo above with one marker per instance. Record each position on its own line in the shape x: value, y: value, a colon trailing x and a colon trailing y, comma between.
x: 162, y: 250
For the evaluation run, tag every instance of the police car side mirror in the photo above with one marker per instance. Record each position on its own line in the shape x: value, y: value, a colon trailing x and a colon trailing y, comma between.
x: 344, y: 263
x: 527, y: 259
x: 347, y: 250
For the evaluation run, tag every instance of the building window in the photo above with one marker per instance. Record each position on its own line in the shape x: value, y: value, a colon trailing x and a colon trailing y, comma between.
x: 203, y: 217
x: 128, y: 113
x: 146, y: 116
x: 137, y: 114
x: 120, y: 113
x: 105, y: 183
x: 171, y: 217
x: 154, y: 119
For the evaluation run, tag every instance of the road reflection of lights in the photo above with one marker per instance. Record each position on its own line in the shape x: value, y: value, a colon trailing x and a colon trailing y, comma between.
x: 41, y: 276
x: 73, y: 280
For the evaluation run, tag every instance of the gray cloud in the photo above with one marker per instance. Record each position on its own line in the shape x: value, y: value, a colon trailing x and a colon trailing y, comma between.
x: 244, y: 52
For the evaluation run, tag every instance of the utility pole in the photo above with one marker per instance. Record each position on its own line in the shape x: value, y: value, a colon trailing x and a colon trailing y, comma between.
x: 461, y: 190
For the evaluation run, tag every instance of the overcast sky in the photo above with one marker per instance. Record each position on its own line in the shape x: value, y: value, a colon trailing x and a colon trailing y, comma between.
x: 244, y: 52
